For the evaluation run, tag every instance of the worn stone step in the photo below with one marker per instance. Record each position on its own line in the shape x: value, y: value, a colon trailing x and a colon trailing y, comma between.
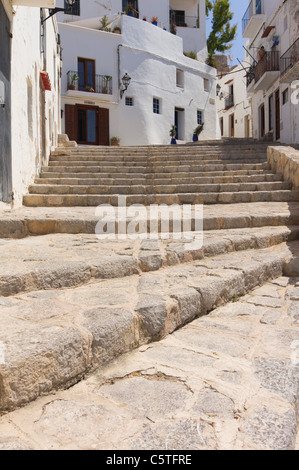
x: 158, y: 159
x: 58, y: 336
x: 157, y: 189
x: 35, y: 200
x: 158, y: 169
x: 61, y: 260
x: 120, y: 180
x: 52, y: 174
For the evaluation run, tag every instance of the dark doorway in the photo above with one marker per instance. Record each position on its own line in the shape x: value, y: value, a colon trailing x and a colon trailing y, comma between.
x: 262, y: 121
x: 179, y: 121
x: 232, y: 125
x: 5, y: 109
x: 277, y: 115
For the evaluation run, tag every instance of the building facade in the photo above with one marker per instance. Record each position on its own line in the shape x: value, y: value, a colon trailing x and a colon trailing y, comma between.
x: 170, y: 83
x: 272, y: 27
x: 29, y: 94
x: 233, y: 106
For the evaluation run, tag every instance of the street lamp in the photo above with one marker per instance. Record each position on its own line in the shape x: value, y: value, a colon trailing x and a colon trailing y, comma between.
x: 53, y: 11
x: 125, y: 82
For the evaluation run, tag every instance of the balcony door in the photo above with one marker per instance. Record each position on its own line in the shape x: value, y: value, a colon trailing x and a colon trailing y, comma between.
x: 277, y: 115
x: 86, y: 73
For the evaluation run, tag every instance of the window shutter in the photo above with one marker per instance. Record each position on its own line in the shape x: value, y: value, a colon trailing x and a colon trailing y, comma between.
x: 71, y: 127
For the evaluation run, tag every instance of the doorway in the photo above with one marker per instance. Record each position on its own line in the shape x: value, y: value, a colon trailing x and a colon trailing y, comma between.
x: 87, y: 125
x: 277, y: 115
x: 262, y: 121
x: 5, y: 109
x: 179, y: 122
x: 232, y: 125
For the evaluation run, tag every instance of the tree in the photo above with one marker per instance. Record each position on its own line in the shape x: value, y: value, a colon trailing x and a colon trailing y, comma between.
x: 223, y: 33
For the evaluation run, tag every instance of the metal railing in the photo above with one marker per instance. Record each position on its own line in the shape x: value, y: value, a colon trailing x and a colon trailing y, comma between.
x: 256, y: 7
x: 183, y: 20
x: 270, y: 62
x: 250, y: 76
x: 289, y: 58
x: 229, y: 101
x: 91, y: 83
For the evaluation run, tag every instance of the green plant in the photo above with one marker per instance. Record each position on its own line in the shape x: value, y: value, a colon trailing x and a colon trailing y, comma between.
x: 198, y: 129
x: 191, y: 55
x: 117, y: 30
x: 222, y: 33
x: 104, y: 24
x: 172, y: 131
x: 115, y: 139
x: 129, y: 8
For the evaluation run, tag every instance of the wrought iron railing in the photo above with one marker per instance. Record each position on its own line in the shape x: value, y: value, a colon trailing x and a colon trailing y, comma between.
x: 256, y: 7
x: 91, y: 83
x: 289, y: 58
x: 183, y: 20
x: 250, y: 76
x: 270, y: 62
x: 229, y: 101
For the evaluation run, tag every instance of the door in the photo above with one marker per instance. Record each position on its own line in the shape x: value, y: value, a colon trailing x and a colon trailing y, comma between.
x: 179, y: 121
x: 5, y: 109
x: 87, y: 125
x: 232, y: 125
x: 277, y: 115
x: 262, y: 121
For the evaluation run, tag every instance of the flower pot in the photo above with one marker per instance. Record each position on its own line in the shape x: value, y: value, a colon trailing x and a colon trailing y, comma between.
x: 173, y: 141
x: 155, y: 23
x: 195, y: 138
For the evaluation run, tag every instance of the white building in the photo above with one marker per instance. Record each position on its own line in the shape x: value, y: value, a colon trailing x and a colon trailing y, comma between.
x: 272, y: 27
x: 29, y: 93
x: 233, y: 106
x: 166, y: 86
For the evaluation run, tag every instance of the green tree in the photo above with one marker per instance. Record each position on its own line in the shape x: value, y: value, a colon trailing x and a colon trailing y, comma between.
x: 223, y: 33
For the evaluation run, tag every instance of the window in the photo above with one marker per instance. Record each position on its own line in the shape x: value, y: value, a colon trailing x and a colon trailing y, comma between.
x: 72, y: 10
x: 199, y: 117
x: 285, y: 96
x: 86, y: 73
x: 133, y: 3
x: 129, y: 101
x: 206, y: 84
x: 179, y: 78
x: 156, y: 106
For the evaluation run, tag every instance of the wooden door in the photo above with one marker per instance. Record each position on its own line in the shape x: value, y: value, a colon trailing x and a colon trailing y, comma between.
x: 103, y: 123
x: 232, y: 125
x: 262, y: 121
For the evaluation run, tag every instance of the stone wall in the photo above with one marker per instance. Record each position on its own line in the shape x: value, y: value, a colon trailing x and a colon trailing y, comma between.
x: 285, y: 160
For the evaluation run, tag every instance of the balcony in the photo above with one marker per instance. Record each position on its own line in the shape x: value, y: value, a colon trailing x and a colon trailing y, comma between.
x: 289, y: 64
x: 179, y: 19
x: 90, y: 84
x: 253, y: 18
x: 229, y: 101
x: 267, y: 70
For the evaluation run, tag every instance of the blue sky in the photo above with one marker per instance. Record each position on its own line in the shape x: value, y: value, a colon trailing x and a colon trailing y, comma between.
x: 238, y: 7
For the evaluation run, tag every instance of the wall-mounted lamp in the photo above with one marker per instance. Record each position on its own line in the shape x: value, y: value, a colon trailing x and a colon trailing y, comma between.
x: 53, y: 11
x: 218, y: 88
x: 125, y: 82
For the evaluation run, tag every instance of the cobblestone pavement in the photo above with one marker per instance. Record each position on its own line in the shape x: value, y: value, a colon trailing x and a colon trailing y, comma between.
x: 228, y: 380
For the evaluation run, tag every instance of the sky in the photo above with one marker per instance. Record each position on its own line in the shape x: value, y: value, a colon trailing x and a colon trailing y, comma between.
x: 238, y: 7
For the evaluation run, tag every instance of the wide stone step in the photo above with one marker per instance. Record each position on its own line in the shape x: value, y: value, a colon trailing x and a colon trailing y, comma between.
x: 118, y: 180
x: 156, y: 189
x: 60, y: 260
x: 51, y: 174
x: 158, y: 169
x: 161, y: 159
x: 35, y: 200
x: 155, y: 164
x: 58, y: 336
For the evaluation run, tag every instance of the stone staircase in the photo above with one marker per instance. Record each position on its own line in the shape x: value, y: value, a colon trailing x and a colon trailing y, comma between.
x: 211, y: 173
x: 77, y: 302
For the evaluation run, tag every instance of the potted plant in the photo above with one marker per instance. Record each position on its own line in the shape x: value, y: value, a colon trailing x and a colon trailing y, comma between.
x: 197, y: 131
x: 89, y: 89
x: 116, y: 30
x: 129, y: 10
x: 106, y: 80
x: 154, y: 20
x: 115, y: 141
x: 172, y: 134
x: 74, y: 78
